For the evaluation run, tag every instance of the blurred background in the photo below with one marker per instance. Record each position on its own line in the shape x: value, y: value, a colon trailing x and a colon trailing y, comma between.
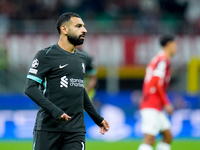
x: 122, y: 38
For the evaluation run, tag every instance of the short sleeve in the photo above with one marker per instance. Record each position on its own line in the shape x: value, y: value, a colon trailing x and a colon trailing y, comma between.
x: 40, y: 66
x: 160, y: 69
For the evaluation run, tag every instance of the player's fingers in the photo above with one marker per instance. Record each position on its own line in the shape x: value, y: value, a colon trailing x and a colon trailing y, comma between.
x: 106, y: 129
x: 69, y: 117
x: 105, y: 125
x: 102, y: 130
x: 65, y: 118
x: 61, y: 117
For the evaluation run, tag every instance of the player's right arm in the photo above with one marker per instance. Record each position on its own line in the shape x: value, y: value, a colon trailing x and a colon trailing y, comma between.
x: 32, y: 90
x: 35, y: 77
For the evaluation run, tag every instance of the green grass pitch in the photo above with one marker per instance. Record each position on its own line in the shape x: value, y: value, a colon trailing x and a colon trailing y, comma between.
x: 97, y: 145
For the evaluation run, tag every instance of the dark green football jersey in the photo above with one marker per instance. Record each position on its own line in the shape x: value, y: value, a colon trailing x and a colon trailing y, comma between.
x: 61, y: 76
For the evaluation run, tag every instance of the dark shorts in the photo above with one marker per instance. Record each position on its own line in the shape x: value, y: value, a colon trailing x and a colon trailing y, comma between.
x: 45, y: 140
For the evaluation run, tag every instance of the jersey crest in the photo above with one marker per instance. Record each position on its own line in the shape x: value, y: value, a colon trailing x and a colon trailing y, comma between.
x: 83, y: 66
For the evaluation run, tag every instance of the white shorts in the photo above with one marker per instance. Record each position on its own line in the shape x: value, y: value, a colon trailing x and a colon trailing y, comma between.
x: 154, y: 121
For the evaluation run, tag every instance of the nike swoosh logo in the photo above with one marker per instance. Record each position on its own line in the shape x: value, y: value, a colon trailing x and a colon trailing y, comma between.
x: 62, y: 66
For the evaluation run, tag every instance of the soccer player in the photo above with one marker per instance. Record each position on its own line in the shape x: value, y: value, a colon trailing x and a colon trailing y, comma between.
x: 154, y: 98
x: 55, y: 83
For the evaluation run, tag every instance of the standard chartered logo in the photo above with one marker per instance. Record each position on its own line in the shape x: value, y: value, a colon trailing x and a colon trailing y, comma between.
x: 65, y: 82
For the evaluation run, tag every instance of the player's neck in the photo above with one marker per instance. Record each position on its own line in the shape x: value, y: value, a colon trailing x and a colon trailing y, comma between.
x: 66, y: 45
x: 167, y: 53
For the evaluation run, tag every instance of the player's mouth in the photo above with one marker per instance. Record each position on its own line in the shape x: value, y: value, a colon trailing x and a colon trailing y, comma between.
x: 82, y: 36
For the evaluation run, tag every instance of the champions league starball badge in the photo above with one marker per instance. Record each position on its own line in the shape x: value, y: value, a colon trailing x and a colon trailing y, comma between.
x: 35, y: 63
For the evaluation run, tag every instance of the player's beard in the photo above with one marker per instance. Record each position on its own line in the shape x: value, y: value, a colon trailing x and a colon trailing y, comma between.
x: 75, y: 40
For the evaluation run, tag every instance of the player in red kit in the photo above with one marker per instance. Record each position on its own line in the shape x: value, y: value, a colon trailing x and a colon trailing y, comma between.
x: 155, y: 99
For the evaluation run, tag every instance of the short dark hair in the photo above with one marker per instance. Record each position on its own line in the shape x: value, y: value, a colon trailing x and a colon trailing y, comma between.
x: 65, y: 17
x: 164, y: 39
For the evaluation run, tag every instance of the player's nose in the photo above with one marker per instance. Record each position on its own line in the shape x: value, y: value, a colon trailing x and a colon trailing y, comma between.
x: 84, y: 30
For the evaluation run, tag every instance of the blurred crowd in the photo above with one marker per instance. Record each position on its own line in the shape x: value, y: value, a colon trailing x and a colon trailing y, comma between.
x: 181, y: 16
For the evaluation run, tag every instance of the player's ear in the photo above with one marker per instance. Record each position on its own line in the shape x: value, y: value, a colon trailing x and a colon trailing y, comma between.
x: 64, y: 29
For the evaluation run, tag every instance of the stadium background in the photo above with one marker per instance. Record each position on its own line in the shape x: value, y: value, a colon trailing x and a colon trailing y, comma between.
x: 122, y: 38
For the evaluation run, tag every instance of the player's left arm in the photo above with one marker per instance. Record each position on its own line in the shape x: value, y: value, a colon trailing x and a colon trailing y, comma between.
x: 90, y: 109
x: 163, y: 96
x: 32, y: 90
x: 158, y: 81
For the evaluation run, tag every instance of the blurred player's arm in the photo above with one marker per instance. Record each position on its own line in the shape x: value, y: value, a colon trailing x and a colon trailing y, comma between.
x: 91, y: 73
x: 90, y: 109
x: 32, y: 90
x: 158, y: 81
x: 165, y: 100
x: 92, y: 82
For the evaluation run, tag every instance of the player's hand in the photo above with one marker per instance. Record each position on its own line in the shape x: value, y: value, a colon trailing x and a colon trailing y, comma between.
x: 64, y: 117
x: 104, y: 126
x: 169, y: 108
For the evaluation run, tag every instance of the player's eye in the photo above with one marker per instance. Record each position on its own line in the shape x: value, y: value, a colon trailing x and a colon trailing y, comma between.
x: 79, y: 25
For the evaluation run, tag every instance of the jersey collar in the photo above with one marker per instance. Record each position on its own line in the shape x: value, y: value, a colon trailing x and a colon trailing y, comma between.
x: 68, y: 53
